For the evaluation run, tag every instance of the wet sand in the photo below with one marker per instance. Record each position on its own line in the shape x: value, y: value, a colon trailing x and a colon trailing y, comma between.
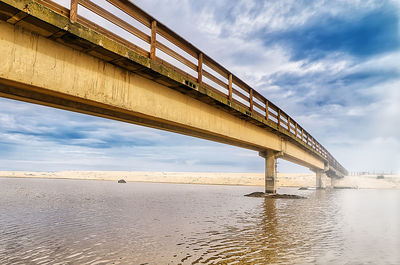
x: 210, y: 178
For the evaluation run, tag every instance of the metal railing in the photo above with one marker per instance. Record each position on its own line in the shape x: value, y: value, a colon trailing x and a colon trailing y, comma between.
x: 170, y: 49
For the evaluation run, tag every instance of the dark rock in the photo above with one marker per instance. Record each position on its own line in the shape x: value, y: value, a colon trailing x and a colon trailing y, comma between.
x: 274, y: 195
x: 380, y: 177
x: 256, y: 194
x: 121, y: 181
x: 303, y: 188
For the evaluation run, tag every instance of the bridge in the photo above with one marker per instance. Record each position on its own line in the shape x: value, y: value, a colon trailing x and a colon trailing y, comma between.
x: 116, y: 61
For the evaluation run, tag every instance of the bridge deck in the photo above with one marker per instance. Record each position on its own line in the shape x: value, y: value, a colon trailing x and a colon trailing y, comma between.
x: 198, y: 75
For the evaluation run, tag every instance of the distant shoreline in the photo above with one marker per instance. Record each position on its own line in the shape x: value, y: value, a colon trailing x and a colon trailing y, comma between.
x: 211, y: 178
x: 131, y: 181
x: 207, y: 178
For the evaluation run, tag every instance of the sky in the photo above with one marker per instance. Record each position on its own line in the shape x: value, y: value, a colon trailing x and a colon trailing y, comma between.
x: 334, y: 66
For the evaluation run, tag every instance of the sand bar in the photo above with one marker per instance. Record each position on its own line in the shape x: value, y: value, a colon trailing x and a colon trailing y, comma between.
x: 247, y: 179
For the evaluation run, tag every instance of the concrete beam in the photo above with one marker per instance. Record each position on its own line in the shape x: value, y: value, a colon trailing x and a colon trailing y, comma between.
x: 40, y: 70
x: 333, y: 173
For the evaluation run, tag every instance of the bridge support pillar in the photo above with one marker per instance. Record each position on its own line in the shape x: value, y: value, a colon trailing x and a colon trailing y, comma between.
x: 270, y: 170
x: 334, y: 182
x: 321, y: 181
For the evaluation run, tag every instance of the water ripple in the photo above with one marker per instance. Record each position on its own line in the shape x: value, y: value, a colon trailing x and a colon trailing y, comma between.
x: 95, y: 222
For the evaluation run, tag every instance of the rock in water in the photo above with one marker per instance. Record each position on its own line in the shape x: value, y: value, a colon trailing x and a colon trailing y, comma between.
x: 274, y: 195
x: 256, y: 194
x: 121, y: 181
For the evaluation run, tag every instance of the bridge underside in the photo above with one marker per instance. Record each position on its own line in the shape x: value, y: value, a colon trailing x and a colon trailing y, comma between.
x: 40, y: 70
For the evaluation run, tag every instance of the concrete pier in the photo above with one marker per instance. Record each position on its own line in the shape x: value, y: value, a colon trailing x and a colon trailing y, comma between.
x: 321, y: 180
x: 270, y: 170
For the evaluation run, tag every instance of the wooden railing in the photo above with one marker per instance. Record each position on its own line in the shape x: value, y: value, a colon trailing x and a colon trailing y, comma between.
x: 168, y: 48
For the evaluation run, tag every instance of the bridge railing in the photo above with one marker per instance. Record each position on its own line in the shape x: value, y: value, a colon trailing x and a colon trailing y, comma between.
x: 127, y: 24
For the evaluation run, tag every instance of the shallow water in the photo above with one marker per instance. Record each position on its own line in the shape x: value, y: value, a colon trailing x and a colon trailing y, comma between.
x: 45, y: 221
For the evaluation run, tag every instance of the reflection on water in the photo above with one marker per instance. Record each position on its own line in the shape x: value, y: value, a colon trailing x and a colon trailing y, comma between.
x: 94, y: 222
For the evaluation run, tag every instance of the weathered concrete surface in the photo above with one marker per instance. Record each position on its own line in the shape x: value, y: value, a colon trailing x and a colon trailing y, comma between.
x: 39, y: 70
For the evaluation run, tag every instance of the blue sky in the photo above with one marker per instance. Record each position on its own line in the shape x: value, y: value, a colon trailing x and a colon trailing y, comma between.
x: 332, y: 65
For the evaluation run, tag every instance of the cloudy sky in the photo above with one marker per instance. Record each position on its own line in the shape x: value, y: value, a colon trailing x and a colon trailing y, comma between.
x: 334, y: 66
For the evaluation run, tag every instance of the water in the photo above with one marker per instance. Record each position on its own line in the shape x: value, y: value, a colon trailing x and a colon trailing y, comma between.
x: 45, y: 221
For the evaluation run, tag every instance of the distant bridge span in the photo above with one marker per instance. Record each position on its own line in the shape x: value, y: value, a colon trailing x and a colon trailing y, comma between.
x: 58, y: 57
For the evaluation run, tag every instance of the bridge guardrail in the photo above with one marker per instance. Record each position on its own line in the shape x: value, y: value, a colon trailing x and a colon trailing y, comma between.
x: 156, y: 41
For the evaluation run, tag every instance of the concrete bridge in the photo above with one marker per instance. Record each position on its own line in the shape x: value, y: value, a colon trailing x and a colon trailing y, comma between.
x: 139, y: 71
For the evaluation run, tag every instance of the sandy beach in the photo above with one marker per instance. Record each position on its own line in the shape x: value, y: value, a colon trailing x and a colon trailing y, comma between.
x: 245, y: 179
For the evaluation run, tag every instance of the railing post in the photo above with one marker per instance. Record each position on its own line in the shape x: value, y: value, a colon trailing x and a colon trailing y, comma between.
x: 302, y: 135
x: 279, y: 118
x: 251, y: 99
x: 230, y: 87
x: 288, y: 124
x: 295, y: 130
x: 200, y: 69
x: 73, y: 12
x: 266, y: 110
x: 153, y: 39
